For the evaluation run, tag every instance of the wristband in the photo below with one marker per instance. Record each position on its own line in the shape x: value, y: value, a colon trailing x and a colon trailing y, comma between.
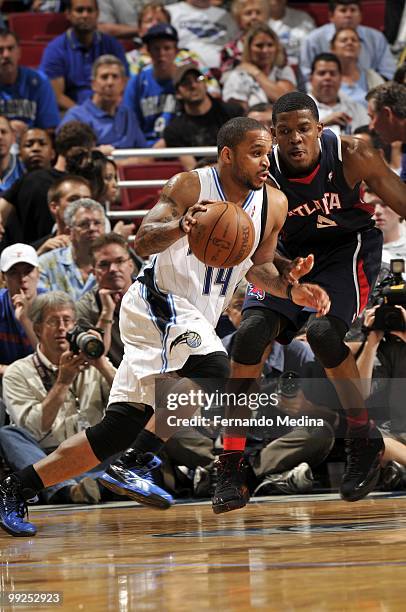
x: 107, y: 321
x: 289, y: 291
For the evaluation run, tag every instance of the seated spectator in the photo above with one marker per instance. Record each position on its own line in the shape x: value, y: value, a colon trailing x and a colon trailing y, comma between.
x: 112, y: 122
x: 291, y: 26
x: 336, y: 110
x: 36, y: 149
x: 246, y: 13
x: 100, y: 307
x: 19, y: 267
x: 70, y: 268
x: 375, y: 52
x: 27, y: 198
x: 262, y: 75
x: 203, y: 28
x: 65, y: 190
x: 26, y: 96
x: 151, y: 93
x: 261, y: 112
x: 391, y: 226
x: 201, y: 116
x: 11, y: 167
x: 355, y: 81
x: 382, y: 365
x: 53, y: 394
x: 119, y: 18
x: 153, y: 13
x: 68, y: 59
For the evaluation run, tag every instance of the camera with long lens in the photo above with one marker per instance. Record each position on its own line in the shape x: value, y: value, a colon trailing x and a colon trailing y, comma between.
x: 80, y: 340
x: 289, y: 384
x: 388, y: 294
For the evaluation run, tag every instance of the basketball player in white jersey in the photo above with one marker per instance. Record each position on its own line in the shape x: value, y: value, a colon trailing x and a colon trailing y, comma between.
x: 168, y: 318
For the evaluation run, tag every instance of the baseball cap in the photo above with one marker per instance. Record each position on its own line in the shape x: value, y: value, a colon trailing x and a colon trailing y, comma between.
x: 183, y: 70
x: 160, y: 30
x: 18, y: 253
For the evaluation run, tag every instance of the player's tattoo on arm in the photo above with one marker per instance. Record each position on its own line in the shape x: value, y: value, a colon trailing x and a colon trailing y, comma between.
x: 266, y: 276
x: 160, y: 228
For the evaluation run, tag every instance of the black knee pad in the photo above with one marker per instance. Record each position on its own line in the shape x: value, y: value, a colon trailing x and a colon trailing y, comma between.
x: 213, y: 365
x: 326, y: 338
x: 210, y: 371
x: 118, y: 429
x: 259, y: 326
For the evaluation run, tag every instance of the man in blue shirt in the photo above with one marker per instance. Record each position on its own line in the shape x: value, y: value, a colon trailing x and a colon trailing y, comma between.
x: 68, y: 59
x: 26, y: 96
x: 375, y: 51
x: 11, y: 167
x: 19, y: 265
x: 70, y: 268
x: 113, y: 123
x: 151, y: 92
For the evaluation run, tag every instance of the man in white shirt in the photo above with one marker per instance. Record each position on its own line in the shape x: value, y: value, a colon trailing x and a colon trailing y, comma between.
x: 337, y: 111
x: 203, y: 28
x: 54, y: 393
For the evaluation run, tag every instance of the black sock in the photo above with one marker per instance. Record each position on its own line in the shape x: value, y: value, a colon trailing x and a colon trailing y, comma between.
x: 145, y: 442
x: 31, y: 483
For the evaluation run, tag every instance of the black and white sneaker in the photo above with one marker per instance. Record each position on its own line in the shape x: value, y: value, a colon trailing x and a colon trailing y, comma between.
x: 296, y: 481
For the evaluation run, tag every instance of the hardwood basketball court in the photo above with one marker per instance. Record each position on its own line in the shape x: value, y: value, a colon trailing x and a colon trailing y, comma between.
x: 290, y: 553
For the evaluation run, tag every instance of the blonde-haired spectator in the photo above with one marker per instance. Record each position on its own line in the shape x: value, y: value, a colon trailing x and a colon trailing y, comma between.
x: 263, y: 75
x: 246, y: 13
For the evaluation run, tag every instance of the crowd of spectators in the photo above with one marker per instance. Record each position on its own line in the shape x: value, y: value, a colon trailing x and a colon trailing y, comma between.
x: 129, y: 74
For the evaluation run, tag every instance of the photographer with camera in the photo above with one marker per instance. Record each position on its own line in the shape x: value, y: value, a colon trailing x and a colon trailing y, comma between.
x: 382, y: 365
x: 114, y: 270
x: 56, y: 392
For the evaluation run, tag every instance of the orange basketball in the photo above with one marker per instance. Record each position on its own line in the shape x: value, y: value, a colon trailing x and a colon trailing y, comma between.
x: 223, y: 235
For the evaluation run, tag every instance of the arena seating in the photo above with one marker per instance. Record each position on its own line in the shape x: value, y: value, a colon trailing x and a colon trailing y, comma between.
x: 31, y: 52
x: 37, y: 26
x: 133, y: 198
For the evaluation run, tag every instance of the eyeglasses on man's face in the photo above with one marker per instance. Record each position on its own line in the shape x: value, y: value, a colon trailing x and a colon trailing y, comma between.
x: 106, y: 265
x: 56, y: 322
x: 85, y: 225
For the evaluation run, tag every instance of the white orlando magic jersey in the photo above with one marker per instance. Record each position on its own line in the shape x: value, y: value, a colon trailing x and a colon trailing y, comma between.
x: 177, y: 271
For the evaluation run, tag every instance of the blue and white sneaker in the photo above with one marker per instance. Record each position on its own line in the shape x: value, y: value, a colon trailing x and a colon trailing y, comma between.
x: 137, y: 481
x: 13, y: 509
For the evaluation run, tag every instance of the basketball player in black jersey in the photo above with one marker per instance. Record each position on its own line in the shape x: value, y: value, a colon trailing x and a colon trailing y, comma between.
x: 320, y: 175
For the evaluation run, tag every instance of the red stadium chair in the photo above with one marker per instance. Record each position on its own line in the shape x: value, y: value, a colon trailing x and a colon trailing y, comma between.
x: 30, y: 26
x: 31, y: 53
x: 133, y: 198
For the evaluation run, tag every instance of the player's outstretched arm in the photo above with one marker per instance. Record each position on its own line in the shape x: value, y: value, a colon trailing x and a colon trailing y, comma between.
x: 264, y: 273
x: 362, y: 162
x: 164, y: 223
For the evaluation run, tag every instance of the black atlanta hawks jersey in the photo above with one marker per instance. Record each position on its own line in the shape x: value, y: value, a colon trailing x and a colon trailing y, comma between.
x: 322, y: 207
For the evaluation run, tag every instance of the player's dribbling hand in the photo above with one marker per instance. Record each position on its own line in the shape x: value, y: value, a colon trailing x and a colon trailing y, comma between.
x: 187, y: 221
x: 311, y: 296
